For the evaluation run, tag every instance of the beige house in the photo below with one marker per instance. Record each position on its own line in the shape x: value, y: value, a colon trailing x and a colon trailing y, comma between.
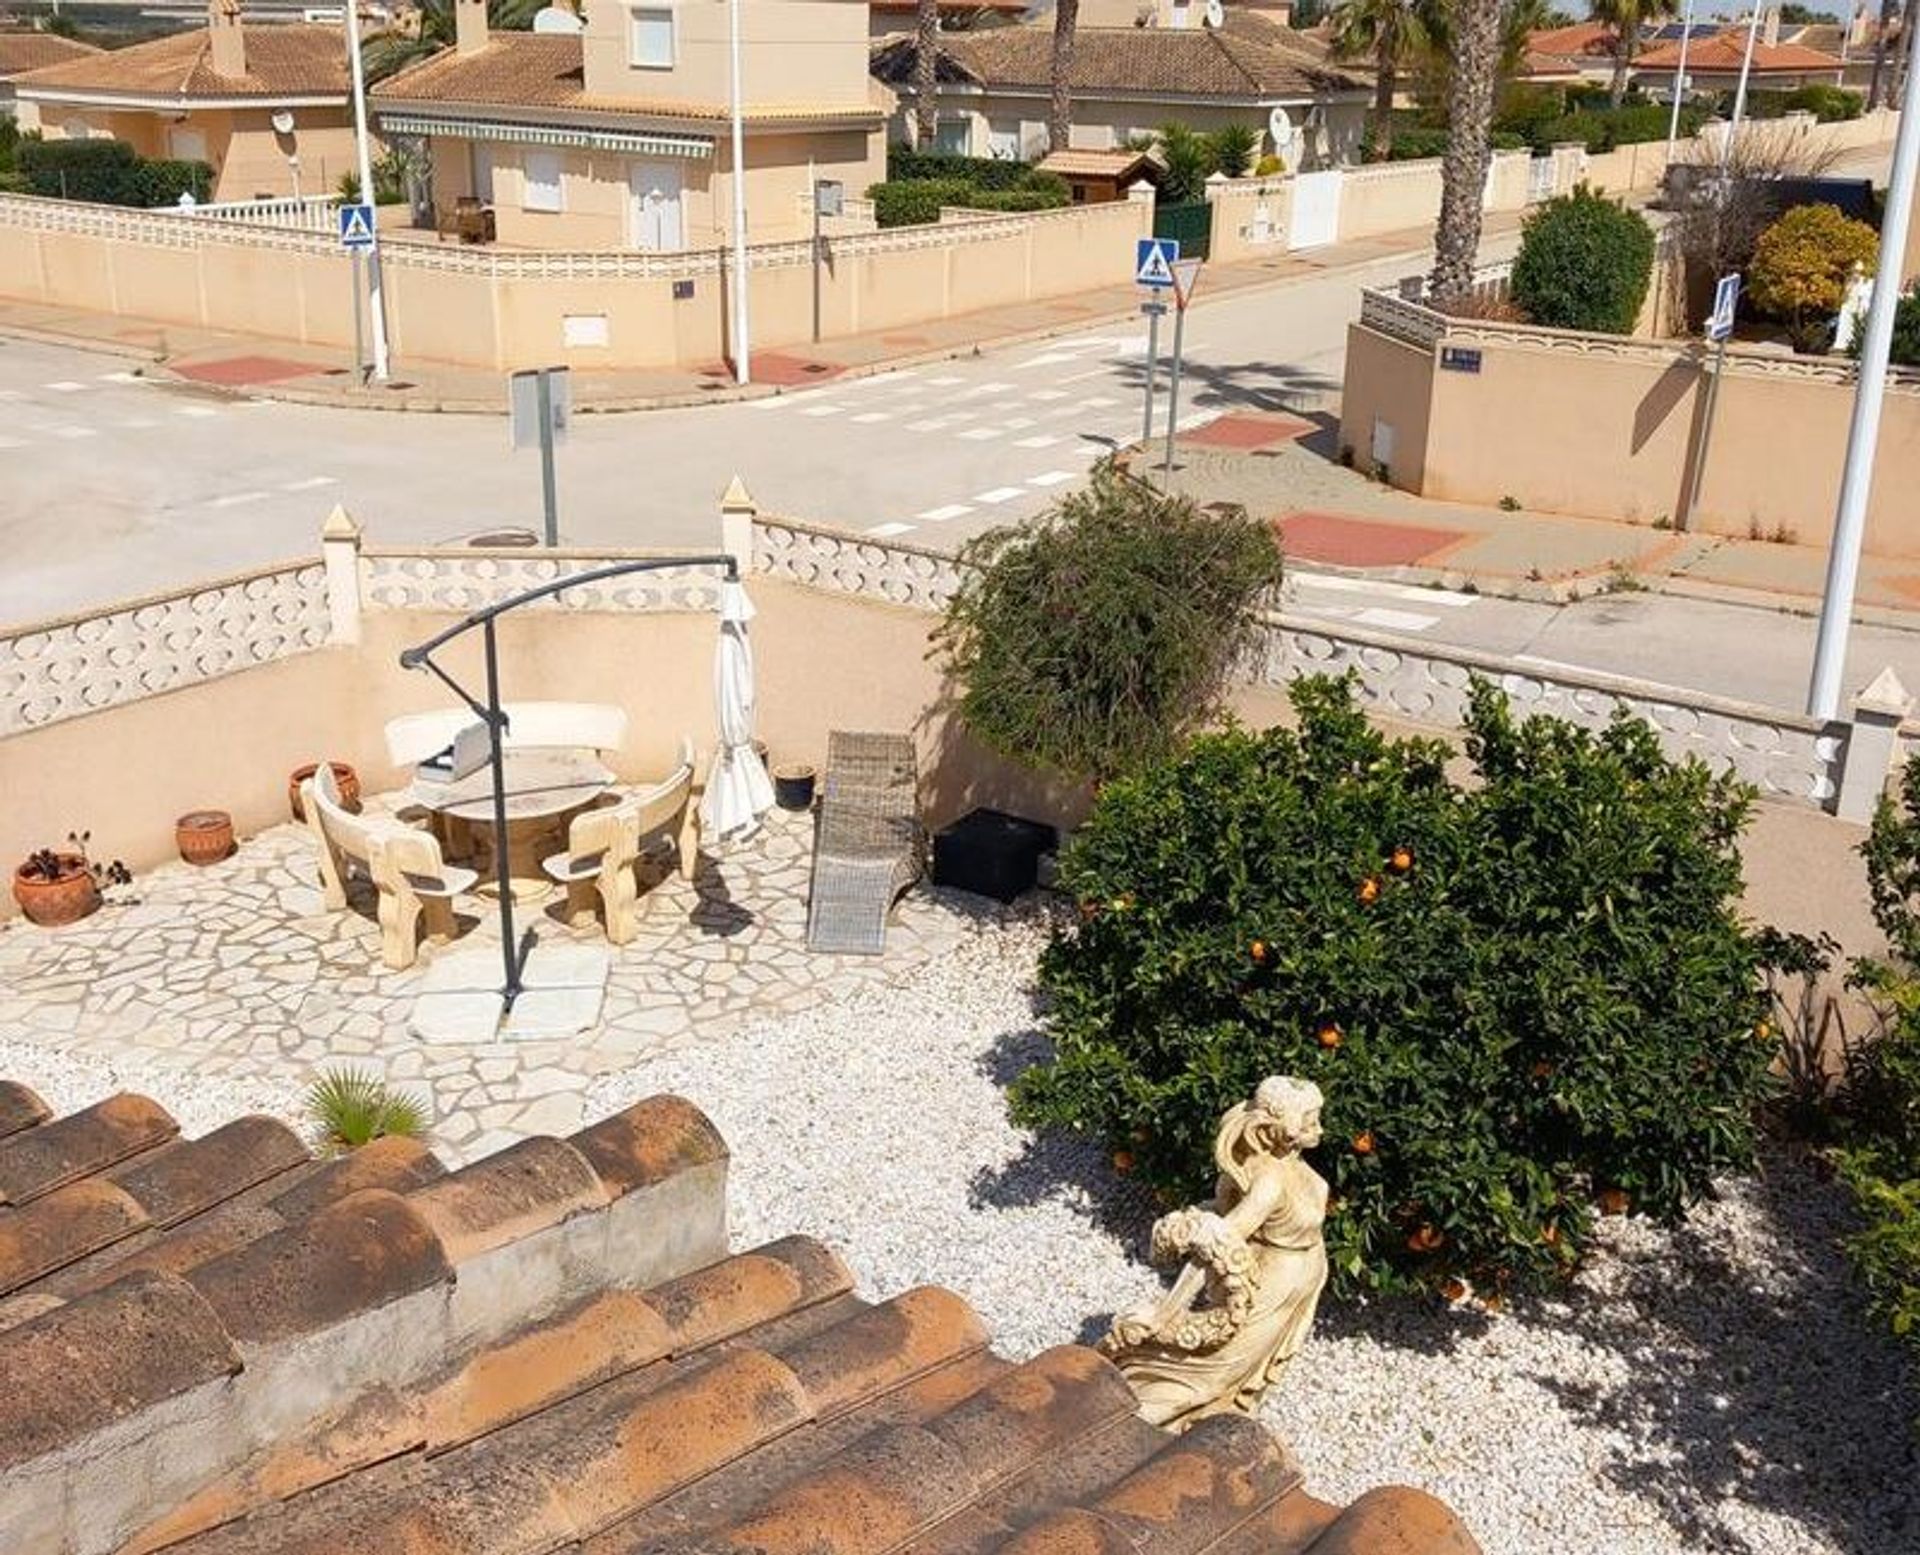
x: 1713, y: 65
x: 890, y: 18
x: 994, y: 86
x: 24, y: 51
x: 615, y: 134
x: 267, y: 107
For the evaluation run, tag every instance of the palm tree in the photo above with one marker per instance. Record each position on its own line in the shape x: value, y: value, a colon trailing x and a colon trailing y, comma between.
x: 1393, y: 33
x: 1463, y: 174
x: 394, y: 51
x: 1066, y: 17
x: 926, y: 64
x: 1626, y: 18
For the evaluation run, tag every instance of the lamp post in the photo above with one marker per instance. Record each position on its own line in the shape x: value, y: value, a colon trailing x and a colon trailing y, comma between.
x: 1740, y: 92
x: 742, y: 344
x: 376, y: 304
x: 1679, y: 80
x: 1863, y: 435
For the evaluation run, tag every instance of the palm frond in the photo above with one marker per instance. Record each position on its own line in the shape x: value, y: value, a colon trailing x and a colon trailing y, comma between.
x: 349, y: 1108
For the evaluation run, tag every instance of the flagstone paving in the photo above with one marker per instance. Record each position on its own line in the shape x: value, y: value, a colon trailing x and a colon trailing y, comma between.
x: 238, y: 973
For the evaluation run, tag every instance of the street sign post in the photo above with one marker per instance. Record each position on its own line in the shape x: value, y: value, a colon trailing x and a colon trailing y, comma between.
x: 1726, y: 302
x: 829, y: 199
x: 356, y: 226
x: 1186, y: 276
x: 541, y: 404
x: 1153, y: 262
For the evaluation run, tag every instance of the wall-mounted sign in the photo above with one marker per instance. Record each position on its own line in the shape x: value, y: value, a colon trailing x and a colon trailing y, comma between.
x: 1459, y: 359
x: 683, y: 291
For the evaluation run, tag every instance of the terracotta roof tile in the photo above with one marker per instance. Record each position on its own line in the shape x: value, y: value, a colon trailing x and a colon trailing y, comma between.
x: 62, y: 1228
x: 1251, y: 59
x: 53, y: 1154
x: 398, y: 1164
x: 291, y: 60
x: 20, y: 1108
x: 191, y: 1176
x: 528, y: 1186
x: 1724, y: 52
x: 21, y: 51
x: 1580, y: 38
x: 650, y: 1142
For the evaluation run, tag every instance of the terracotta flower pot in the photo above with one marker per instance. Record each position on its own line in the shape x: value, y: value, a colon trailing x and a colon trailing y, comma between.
x: 204, y: 836
x: 67, y: 898
x: 344, y: 777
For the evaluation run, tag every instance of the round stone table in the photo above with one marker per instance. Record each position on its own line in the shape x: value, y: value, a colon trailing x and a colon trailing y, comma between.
x: 543, y: 789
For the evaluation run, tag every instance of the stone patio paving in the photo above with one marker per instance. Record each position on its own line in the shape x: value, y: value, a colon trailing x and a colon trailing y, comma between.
x: 238, y: 974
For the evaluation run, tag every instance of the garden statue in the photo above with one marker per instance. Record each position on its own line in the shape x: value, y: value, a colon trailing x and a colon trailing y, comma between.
x: 1256, y: 1253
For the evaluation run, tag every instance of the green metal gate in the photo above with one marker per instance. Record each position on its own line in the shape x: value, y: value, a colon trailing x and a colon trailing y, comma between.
x: 1191, y: 225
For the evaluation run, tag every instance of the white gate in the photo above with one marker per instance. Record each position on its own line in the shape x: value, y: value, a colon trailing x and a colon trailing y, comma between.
x: 1539, y: 180
x: 1315, y: 219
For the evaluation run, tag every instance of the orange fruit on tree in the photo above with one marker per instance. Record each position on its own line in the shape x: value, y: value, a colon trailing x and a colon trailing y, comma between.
x: 1330, y: 1035
x: 1426, y: 1240
x: 1454, y: 1290
x: 1401, y: 860
x: 1363, y: 1142
x: 1258, y: 950
x: 1123, y: 1161
x: 1614, y: 1201
x: 1550, y: 1234
x: 1369, y: 891
x: 1763, y: 1030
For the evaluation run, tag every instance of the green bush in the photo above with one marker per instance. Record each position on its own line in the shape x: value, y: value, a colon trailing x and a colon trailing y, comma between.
x: 1802, y: 267
x: 1905, y: 350
x: 107, y: 172
x: 1604, y: 129
x: 905, y: 165
x: 1826, y: 102
x: 1519, y: 993
x: 1104, y: 634
x: 1584, y: 263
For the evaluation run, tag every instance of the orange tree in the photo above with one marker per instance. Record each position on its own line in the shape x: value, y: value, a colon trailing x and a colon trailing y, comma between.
x: 1802, y: 266
x: 1523, y: 995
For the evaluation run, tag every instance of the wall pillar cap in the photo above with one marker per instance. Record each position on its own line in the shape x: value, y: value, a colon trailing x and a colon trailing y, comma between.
x: 738, y: 499
x: 340, y: 525
x: 1141, y: 189
x: 1884, y: 695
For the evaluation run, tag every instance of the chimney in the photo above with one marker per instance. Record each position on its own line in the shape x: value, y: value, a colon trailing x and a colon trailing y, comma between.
x: 1770, y: 26
x: 228, y: 42
x: 469, y: 26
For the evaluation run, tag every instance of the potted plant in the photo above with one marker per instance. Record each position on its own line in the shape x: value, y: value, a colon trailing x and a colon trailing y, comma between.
x: 793, y: 783
x: 344, y: 778
x: 57, y: 886
x: 204, y: 836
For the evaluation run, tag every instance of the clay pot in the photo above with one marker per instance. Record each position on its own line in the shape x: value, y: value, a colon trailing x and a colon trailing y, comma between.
x: 68, y: 898
x: 344, y: 777
x: 793, y: 784
x: 204, y: 836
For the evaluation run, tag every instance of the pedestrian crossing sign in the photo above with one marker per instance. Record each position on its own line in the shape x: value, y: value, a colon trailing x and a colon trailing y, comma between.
x: 356, y: 226
x: 1153, y: 262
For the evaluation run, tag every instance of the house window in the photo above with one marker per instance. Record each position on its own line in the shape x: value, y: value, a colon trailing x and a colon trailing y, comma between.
x: 954, y: 136
x: 650, y: 37
x: 542, y: 191
x: 77, y: 129
x: 1003, y: 140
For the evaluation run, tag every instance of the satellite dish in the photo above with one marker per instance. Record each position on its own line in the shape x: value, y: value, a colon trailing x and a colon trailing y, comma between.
x: 282, y: 121
x: 1215, y: 14
x: 1280, y: 127
x: 557, y: 18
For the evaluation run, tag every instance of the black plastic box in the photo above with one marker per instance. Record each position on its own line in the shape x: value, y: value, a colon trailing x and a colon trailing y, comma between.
x: 991, y: 853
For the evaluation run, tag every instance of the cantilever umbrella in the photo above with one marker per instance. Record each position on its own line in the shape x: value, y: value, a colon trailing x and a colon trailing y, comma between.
x: 739, y: 791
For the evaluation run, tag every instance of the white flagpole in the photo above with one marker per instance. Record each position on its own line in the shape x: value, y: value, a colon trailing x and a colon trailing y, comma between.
x: 376, y: 304
x: 742, y: 344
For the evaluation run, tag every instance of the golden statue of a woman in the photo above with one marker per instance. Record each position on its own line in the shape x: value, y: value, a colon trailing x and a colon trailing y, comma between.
x: 1256, y: 1253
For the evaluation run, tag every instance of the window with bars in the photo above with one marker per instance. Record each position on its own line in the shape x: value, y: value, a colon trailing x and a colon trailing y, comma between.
x: 542, y: 189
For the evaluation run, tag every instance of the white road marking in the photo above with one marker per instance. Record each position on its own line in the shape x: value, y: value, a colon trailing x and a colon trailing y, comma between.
x: 1395, y: 620
x: 1050, y: 359
x: 234, y: 499
x: 123, y: 378
x: 1049, y: 394
x: 311, y: 483
x: 941, y: 515
x: 1052, y: 478
x: 11, y: 396
x: 1017, y: 423
x: 74, y: 434
x: 1097, y: 372
x: 888, y: 531
x: 8, y: 442
x: 1045, y: 440
x: 1098, y: 402
x: 867, y: 418
x: 944, y: 383
x: 772, y: 402
x: 999, y: 494
x: 980, y: 389
x: 931, y: 424
x: 198, y: 412
x: 1402, y: 591
x: 982, y: 434
x: 65, y: 386
x: 139, y: 423
x: 823, y: 410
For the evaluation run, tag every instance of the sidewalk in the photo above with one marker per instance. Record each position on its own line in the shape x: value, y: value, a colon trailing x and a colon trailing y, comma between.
x: 1332, y: 518
x: 267, y: 368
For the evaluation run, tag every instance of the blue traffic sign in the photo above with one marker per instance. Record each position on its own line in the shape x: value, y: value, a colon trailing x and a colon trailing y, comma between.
x: 1153, y: 262
x: 1726, y: 301
x: 356, y: 226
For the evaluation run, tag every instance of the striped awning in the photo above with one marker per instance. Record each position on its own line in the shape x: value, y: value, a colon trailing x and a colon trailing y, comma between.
x: 639, y: 142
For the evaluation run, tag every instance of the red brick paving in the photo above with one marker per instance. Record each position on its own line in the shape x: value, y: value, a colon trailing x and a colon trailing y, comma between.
x: 786, y: 372
x: 1248, y: 430
x: 236, y: 371
x: 1359, y: 542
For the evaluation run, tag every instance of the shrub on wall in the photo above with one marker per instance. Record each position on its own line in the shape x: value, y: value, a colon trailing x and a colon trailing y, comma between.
x: 1521, y: 994
x: 1826, y: 102
x: 905, y: 165
x: 108, y: 172
x: 915, y: 201
x: 1103, y: 635
x: 1802, y: 267
x: 1584, y: 263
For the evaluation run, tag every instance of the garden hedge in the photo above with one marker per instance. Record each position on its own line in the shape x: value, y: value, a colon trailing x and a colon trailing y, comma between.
x: 1584, y: 263
x: 108, y: 172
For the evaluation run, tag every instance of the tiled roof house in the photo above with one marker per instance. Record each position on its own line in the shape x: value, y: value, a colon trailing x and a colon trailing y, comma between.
x: 1713, y: 64
x: 211, y: 94
x: 222, y: 1346
x: 24, y: 51
x: 994, y: 85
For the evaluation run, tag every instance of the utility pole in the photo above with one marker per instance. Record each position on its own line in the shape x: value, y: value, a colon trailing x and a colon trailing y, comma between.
x: 1863, y: 435
x: 376, y: 303
x: 1740, y: 93
x: 742, y: 345
x: 1679, y: 80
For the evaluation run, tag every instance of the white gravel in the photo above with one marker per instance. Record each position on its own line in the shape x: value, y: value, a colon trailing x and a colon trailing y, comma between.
x: 68, y: 1081
x: 1711, y: 1389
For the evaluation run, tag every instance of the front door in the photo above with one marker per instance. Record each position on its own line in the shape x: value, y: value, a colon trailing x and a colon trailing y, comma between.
x: 655, y: 190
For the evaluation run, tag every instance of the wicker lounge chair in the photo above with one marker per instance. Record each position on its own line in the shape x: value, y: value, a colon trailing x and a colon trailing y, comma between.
x: 868, y: 844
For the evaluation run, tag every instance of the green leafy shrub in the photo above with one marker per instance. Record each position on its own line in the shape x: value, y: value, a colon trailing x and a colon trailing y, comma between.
x: 917, y: 201
x: 1585, y: 262
x: 1905, y: 348
x: 1233, y: 147
x: 905, y: 165
x: 1103, y: 635
x: 349, y: 1108
x: 1802, y: 267
x: 107, y: 172
x: 1519, y: 994
x: 1605, y: 129
x: 1826, y: 102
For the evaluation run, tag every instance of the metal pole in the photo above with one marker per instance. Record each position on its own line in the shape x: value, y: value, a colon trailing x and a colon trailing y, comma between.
x: 1740, y: 93
x: 1173, y: 391
x: 376, y: 305
x: 502, y: 867
x: 359, y: 323
x: 1863, y: 435
x: 816, y: 261
x: 543, y: 387
x: 1153, y: 311
x: 742, y: 345
x: 1698, y: 473
x: 1679, y: 80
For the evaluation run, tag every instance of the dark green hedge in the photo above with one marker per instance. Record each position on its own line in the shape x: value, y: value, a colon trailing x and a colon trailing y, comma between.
x: 916, y: 202
x: 905, y: 165
x: 1584, y: 263
x: 108, y: 172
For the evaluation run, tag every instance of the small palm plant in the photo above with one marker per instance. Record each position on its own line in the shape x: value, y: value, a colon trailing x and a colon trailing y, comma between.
x: 350, y: 1108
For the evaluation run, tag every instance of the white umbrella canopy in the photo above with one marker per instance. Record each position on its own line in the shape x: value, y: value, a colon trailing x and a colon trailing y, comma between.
x: 739, y: 791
